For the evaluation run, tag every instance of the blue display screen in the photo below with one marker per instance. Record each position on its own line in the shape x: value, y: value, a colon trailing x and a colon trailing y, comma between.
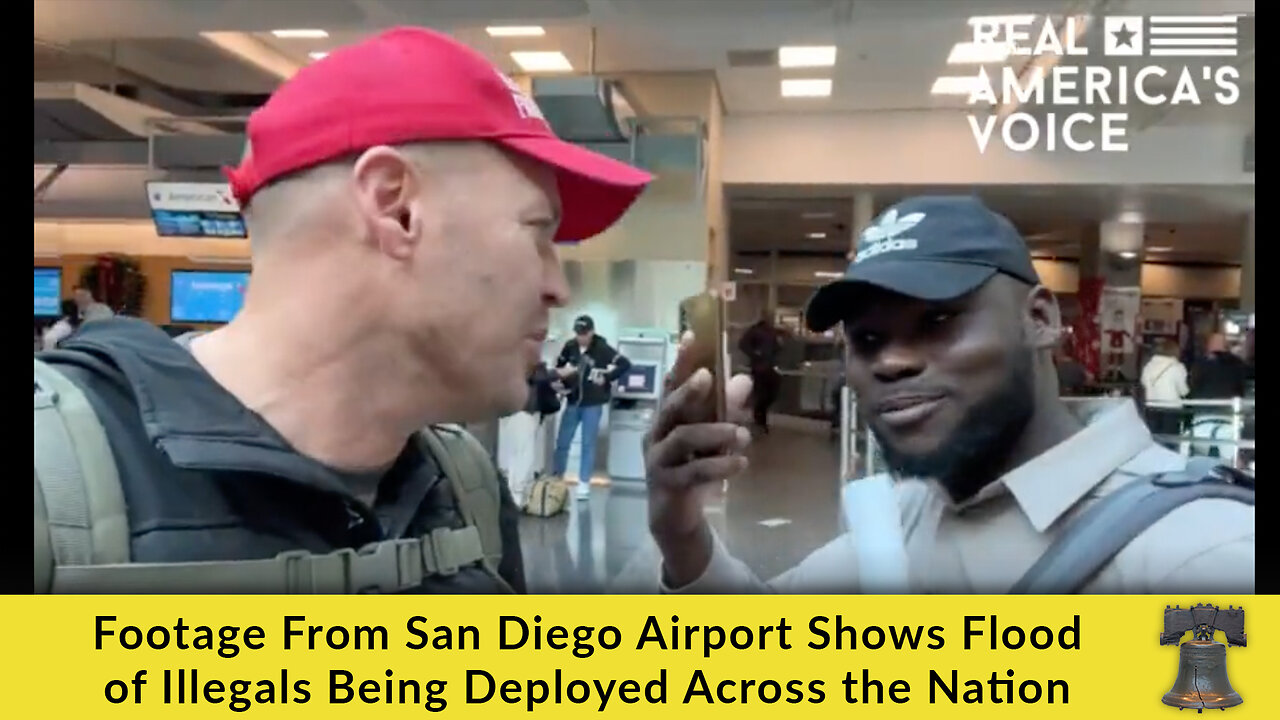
x: 197, y: 296
x: 175, y: 223
x: 48, y: 292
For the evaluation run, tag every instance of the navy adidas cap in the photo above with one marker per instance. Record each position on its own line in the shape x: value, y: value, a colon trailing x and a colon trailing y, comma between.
x: 584, y: 324
x: 929, y: 248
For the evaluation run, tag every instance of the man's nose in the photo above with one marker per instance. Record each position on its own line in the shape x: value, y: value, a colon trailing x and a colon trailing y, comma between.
x: 898, y: 360
x: 555, y: 286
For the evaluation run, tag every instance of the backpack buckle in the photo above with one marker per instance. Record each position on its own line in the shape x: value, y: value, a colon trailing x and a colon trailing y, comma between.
x: 385, y: 567
x: 437, y: 546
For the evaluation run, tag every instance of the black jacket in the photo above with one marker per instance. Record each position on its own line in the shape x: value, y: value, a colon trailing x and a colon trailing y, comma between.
x: 582, y: 391
x: 543, y: 399
x: 761, y: 344
x: 205, y: 478
x: 1221, y: 376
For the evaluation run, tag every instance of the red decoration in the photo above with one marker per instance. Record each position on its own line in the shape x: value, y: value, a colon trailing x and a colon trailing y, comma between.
x: 1086, y: 330
x: 116, y: 281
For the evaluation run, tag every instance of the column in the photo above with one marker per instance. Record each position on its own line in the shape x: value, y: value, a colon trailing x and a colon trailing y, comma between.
x: 1247, y: 267
x: 1107, y: 336
x: 771, y: 302
x: 864, y: 211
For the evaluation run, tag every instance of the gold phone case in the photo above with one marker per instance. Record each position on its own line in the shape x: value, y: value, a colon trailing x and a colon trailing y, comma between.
x: 704, y: 316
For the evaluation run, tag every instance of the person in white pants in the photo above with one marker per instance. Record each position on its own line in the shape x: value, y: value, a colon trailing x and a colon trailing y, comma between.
x: 522, y: 437
x: 518, y: 451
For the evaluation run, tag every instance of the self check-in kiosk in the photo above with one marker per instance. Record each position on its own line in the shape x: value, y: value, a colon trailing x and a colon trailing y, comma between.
x: 636, y: 397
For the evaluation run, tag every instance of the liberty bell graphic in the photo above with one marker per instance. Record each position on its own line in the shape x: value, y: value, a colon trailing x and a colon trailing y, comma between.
x: 1202, y: 661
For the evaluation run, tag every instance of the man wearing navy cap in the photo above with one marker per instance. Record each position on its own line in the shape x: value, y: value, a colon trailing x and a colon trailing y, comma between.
x: 950, y: 338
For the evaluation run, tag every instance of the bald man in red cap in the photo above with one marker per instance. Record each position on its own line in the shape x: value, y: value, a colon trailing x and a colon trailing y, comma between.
x: 404, y: 201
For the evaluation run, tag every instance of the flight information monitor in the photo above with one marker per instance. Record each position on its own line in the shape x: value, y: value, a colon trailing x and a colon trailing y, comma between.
x: 195, y: 210
x: 48, y: 289
x: 206, y: 296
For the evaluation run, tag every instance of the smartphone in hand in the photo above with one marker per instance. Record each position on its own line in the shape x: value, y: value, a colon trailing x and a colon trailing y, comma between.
x: 704, y: 316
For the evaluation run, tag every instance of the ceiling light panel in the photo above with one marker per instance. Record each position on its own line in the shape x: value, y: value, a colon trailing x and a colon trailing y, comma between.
x: 300, y: 34
x: 968, y: 53
x: 955, y: 85
x: 542, y: 61
x: 807, y: 56
x: 515, y: 31
x: 807, y: 88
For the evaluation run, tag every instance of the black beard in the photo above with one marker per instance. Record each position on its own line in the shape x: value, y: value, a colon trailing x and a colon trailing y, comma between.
x: 979, y: 449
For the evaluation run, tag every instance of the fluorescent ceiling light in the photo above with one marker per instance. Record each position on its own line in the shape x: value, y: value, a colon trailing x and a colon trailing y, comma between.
x: 955, y: 85
x: 318, y: 55
x: 542, y: 61
x: 1128, y: 255
x: 1002, y: 19
x: 806, y: 88
x: 515, y: 31
x: 807, y: 56
x: 829, y: 275
x: 968, y: 53
x: 816, y: 235
x: 817, y: 215
x: 744, y: 271
x: 1160, y: 249
x: 300, y: 34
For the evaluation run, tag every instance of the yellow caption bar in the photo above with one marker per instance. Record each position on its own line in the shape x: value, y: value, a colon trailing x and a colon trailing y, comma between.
x: 617, y: 656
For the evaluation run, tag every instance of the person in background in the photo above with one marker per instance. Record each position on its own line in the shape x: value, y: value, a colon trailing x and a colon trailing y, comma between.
x: 521, y: 434
x: 63, y: 328
x: 587, y: 367
x: 1220, y: 376
x: 90, y: 308
x: 1164, y: 385
x: 761, y: 343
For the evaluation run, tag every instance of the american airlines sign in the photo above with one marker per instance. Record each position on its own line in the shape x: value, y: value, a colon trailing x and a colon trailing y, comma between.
x: 191, y: 197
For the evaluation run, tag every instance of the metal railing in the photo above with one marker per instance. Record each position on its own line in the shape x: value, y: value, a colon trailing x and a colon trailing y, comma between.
x: 1235, y: 417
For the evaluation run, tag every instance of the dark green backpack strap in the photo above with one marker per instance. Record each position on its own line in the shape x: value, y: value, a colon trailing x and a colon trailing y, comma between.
x: 475, y: 481
x: 1101, y: 532
x: 389, y: 566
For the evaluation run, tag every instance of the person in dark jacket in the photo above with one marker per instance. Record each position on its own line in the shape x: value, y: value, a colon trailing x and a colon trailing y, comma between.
x: 761, y: 343
x: 404, y: 271
x: 588, y: 367
x: 1219, y: 375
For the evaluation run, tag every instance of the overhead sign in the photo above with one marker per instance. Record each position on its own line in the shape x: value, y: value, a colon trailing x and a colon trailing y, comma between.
x: 195, y: 210
x: 192, y: 197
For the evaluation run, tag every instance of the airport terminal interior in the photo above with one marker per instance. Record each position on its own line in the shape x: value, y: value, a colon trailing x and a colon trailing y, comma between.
x: 778, y: 130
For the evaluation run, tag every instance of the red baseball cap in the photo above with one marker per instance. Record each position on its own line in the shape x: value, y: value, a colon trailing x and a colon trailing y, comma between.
x: 416, y: 85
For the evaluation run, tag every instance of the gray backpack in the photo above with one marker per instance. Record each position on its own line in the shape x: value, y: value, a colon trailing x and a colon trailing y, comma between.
x: 1102, y: 531
x: 82, y: 542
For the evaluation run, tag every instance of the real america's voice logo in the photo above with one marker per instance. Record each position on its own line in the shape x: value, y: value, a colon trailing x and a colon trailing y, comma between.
x: 1052, y: 95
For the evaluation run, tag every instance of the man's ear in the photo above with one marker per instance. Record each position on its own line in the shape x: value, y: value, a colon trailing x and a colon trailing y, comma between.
x: 1042, y: 318
x: 388, y: 186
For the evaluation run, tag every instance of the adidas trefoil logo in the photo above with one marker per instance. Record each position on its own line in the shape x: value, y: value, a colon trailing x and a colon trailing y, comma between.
x: 883, y: 236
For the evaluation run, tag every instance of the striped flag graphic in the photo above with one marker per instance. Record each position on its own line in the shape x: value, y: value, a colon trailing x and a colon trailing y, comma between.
x: 1193, y: 36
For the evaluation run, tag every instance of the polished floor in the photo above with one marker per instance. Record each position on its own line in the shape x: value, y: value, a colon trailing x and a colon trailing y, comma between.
x: 784, y: 507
